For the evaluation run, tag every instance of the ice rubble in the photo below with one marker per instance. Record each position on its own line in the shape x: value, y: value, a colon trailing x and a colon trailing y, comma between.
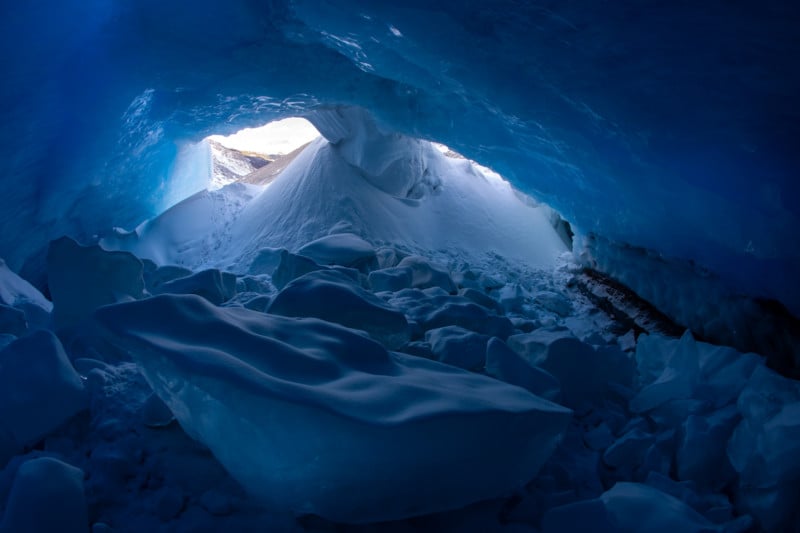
x: 676, y: 433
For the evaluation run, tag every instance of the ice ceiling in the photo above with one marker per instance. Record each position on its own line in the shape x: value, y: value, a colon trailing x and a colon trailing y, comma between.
x: 671, y: 126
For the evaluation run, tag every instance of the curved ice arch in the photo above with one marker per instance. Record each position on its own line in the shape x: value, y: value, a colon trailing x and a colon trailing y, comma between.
x: 668, y: 128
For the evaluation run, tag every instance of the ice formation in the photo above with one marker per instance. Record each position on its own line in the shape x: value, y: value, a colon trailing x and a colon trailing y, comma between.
x: 373, y: 327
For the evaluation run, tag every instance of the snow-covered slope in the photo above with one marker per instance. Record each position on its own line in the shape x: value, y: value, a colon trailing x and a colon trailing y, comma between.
x: 415, y: 199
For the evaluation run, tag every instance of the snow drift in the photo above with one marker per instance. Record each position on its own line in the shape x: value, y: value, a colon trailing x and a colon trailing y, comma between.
x: 316, y: 418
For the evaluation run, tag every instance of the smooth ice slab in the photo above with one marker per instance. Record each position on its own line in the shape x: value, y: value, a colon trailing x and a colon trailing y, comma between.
x: 312, y: 417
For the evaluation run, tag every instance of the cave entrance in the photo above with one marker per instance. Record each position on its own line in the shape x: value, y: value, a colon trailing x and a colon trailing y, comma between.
x: 257, y: 155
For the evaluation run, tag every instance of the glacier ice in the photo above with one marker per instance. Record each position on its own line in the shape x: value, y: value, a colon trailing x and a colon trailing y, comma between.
x: 350, y: 429
x: 701, y: 166
x: 39, y: 391
x: 626, y: 508
x: 663, y: 133
x: 47, y: 495
x: 505, y: 364
x: 457, y: 346
x: 215, y: 286
x: 82, y: 278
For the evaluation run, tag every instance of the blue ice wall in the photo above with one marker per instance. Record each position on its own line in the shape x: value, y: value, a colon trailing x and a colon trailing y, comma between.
x: 668, y: 125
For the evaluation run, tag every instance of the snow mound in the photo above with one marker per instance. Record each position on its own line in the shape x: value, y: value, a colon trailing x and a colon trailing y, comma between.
x: 333, y: 297
x: 215, y: 286
x: 39, y: 391
x: 457, y: 346
x: 47, y: 496
x: 343, y: 249
x: 353, y: 433
x: 82, y: 278
x: 628, y: 508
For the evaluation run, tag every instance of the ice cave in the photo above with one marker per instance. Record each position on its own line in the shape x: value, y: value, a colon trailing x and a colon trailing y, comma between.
x: 341, y: 266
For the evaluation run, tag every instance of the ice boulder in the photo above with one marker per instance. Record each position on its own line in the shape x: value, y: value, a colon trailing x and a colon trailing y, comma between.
x: 82, y: 278
x: 676, y: 381
x: 12, y: 321
x: 155, y: 277
x: 507, y: 365
x: 345, y: 249
x: 17, y: 293
x: 291, y: 266
x: 698, y: 456
x: 511, y: 298
x: 47, y: 496
x: 330, y: 296
x: 585, y: 373
x: 424, y: 274
x: 628, y: 508
x: 390, y: 279
x: 266, y: 260
x: 458, y: 346
x: 553, y: 302
x: 534, y: 345
x: 765, y: 448
x: 39, y: 390
x: 312, y: 417
x: 212, y: 284
x: 467, y: 315
x: 480, y: 298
